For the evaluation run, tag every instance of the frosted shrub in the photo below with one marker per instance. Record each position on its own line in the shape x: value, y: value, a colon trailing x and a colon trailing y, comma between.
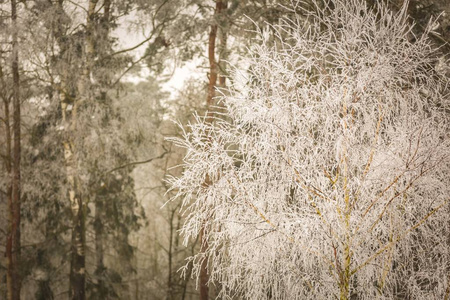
x: 327, y: 174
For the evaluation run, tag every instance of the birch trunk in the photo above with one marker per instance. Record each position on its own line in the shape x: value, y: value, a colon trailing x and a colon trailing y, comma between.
x: 78, y: 205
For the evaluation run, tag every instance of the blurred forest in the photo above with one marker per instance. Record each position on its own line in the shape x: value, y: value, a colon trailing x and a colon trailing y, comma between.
x: 88, y: 97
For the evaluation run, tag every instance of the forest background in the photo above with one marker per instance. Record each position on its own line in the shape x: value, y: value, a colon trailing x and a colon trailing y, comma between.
x: 89, y: 91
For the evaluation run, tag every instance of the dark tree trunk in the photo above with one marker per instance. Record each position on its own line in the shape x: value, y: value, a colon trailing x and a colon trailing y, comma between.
x: 100, y: 272
x: 213, y: 65
x: 77, y: 265
x: 8, y: 167
x: 170, y: 292
x: 44, y: 291
x: 99, y: 251
x: 13, y: 239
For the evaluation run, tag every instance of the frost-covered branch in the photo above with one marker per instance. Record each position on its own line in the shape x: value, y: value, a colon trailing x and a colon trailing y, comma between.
x: 329, y: 169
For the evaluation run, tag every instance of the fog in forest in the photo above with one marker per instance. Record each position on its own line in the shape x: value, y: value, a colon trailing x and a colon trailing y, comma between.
x: 224, y: 149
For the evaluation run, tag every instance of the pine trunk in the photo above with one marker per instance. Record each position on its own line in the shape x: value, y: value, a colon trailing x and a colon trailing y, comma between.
x: 13, y: 239
x: 221, y: 5
x: 99, y: 252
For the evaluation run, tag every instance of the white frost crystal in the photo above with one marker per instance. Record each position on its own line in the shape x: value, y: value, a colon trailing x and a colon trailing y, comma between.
x: 329, y: 174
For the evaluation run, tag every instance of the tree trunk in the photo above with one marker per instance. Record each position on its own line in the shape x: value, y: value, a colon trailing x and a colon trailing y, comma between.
x: 223, y: 52
x: 78, y: 270
x: 213, y: 66
x: 447, y: 291
x: 170, y: 288
x: 99, y: 201
x: 99, y: 252
x: 44, y: 291
x: 13, y: 239
x: 221, y: 5
x: 8, y: 165
x: 345, y: 273
x: 77, y: 265
x: 68, y: 110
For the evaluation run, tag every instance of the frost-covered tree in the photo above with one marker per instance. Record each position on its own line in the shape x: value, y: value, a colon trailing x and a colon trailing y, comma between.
x: 326, y: 173
x: 69, y: 91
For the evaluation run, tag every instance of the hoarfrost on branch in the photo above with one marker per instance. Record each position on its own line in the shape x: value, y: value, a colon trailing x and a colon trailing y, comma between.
x: 326, y: 174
